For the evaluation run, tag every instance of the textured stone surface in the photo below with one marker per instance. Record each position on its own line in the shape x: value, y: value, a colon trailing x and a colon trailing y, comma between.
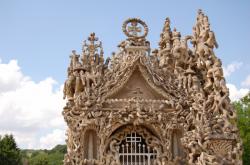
x: 175, y: 98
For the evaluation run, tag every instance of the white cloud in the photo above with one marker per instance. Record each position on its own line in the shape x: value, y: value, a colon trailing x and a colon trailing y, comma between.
x: 235, y: 93
x: 29, y: 110
x: 229, y: 69
x: 10, y: 76
x: 246, y: 82
x: 56, y: 137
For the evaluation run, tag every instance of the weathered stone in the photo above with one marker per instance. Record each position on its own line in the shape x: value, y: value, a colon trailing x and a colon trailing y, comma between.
x: 168, y: 107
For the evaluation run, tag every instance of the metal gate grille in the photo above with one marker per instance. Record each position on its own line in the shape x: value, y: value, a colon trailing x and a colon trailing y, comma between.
x: 134, y: 151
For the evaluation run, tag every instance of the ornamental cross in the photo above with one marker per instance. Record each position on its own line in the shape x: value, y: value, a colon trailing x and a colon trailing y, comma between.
x: 92, y: 46
x: 134, y: 29
x: 137, y: 92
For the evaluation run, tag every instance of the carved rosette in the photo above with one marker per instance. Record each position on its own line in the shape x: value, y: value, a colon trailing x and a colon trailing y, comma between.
x: 173, y: 101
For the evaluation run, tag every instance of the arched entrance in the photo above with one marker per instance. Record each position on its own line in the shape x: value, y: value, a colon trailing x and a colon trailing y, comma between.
x: 133, y: 145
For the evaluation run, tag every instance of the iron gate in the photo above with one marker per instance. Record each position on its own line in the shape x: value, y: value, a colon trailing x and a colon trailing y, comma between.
x: 134, y: 151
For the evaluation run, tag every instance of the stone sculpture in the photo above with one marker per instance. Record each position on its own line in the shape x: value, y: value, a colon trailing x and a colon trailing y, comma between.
x: 168, y: 107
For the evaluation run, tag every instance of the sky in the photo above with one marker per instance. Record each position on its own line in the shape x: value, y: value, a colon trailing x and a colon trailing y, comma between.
x: 37, y: 37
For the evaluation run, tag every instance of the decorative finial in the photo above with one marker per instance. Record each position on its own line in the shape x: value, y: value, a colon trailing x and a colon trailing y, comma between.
x: 91, y: 47
x: 135, y: 28
x: 92, y: 37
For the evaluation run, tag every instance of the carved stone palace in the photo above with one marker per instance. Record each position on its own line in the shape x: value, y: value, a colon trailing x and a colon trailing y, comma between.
x: 168, y: 106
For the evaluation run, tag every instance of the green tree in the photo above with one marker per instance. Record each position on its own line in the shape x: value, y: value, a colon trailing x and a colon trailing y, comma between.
x: 9, y: 152
x: 59, y: 148
x: 44, y: 157
x: 39, y: 159
x: 56, y: 158
x: 56, y: 155
x: 243, y: 111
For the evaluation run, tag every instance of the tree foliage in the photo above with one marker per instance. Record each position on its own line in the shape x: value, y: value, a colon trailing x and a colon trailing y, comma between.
x: 9, y: 152
x: 45, y: 157
x: 39, y: 159
x: 243, y: 111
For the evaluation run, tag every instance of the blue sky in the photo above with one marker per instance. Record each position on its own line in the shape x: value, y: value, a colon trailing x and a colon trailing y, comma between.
x: 37, y: 36
x: 41, y: 34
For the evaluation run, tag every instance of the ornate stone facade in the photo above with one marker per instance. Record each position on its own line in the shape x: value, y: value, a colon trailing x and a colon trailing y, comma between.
x: 165, y: 107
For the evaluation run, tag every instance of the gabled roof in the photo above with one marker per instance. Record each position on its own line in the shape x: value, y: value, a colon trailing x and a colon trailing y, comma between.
x: 156, y: 86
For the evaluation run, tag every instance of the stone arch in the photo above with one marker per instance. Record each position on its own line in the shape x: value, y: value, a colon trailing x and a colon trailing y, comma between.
x: 148, y: 144
x: 119, y: 127
x: 123, y: 130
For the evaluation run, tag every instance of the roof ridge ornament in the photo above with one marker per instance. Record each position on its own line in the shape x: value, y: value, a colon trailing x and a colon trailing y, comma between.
x: 136, y: 30
x: 137, y: 27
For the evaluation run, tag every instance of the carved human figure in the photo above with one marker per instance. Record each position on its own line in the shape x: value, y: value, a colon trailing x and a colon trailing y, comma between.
x: 69, y: 87
x: 209, y: 75
x: 162, y: 61
x: 205, y: 21
x: 79, y: 84
x: 195, y: 83
x: 214, y: 73
x: 154, y: 59
x: 199, y: 21
x: 107, y: 61
x: 92, y: 60
x: 84, y: 59
x: 180, y: 50
x: 176, y: 43
x: 211, y: 41
x: 194, y: 37
x: 75, y: 60
x: 188, y: 83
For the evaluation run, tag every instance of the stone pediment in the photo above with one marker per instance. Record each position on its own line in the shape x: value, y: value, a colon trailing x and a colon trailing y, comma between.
x: 136, y: 87
x: 138, y: 81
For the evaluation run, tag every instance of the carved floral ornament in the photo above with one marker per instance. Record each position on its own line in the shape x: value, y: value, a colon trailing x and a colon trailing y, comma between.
x: 161, y: 107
